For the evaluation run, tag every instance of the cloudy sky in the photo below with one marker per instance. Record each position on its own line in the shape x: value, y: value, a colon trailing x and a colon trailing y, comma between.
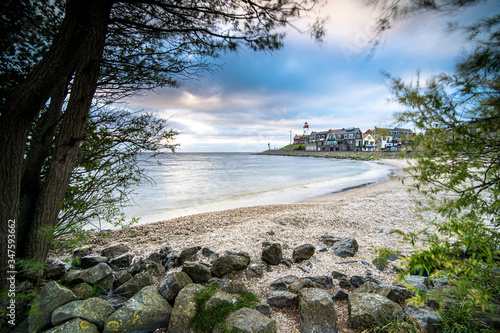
x: 260, y: 98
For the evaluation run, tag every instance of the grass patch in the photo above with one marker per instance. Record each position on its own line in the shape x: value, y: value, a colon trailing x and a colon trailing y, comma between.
x: 462, y: 317
x: 383, y: 254
x: 206, y: 320
x: 407, y: 325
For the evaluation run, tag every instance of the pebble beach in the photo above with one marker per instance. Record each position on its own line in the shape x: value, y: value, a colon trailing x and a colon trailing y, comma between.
x: 369, y: 214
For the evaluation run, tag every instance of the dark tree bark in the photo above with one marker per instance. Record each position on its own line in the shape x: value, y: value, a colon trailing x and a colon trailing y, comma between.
x: 26, y: 101
x: 69, y: 137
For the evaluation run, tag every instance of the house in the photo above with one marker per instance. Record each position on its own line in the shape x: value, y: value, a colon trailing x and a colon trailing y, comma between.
x: 345, y: 139
x: 301, y: 139
x: 392, y: 138
x: 369, y: 142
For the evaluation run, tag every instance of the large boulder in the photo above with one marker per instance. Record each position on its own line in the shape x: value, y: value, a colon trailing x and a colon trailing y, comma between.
x: 146, y: 311
x: 426, y: 316
x: 76, y: 325
x: 188, y: 254
x: 122, y: 261
x: 346, y: 247
x: 199, y: 273
x: 94, y: 310
x: 91, y: 261
x: 115, y: 250
x: 272, y: 253
x: 421, y: 283
x: 54, y: 270
x: 151, y: 267
x: 303, y: 252
x: 132, y: 286
x: 281, y: 299
x: 394, y: 293
x: 317, y: 311
x: 82, y: 290
x: 231, y: 261
x: 283, y: 282
x: 91, y: 275
x: 184, y: 310
x: 172, y: 284
x: 52, y: 295
x: 366, y: 309
x: 220, y: 298
x: 250, y: 321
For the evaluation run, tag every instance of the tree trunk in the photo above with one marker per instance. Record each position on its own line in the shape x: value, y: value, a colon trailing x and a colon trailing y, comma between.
x: 39, y: 150
x: 69, y: 137
x: 25, y: 102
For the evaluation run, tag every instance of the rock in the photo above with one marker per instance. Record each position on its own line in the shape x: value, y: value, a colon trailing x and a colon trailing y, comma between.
x: 148, y: 266
x: 94, y: 310
x: 54, y: 270
x: 122, y: 261
x: 264, y: 308
x: 347, y: 247
x: 184, y: 309
x: 199, y: 273
x: 301, y: 284
x: 116, y: 301
x: 283, y: 282
x: 317, y: 311
x: 272, y: 254
x: 105, y: 283
x: 329, y: 240
x: 170, y: 258
x: 220, y: 298
x: 346, y: 262
x: 114, y: 251
x: 217, y: 281
x: 82, y: 251
x: 121, y: 277
x: 303, y: 252
x: 281, y: 299
x: 357, y: 281
x: 134, y: 285
x: 232, y: 261
x: 366, y: 309
x: 90, y: 276
x: 206, y: 252
x: 287, y: 262
x: 188, y: 253
x: 421, y: 283
x: 257, y: 269
x: 82, y: 291
x: 76, y: 325
x: 443, y: 297
x: 157, y: 257
x: 338, y: 275
x: 340, y: 295
x: 91, y: 261
x: 324, y: 281
x: 172, y: 284
x: 394, y: 293
x: 234, y: 287
x: 426, y: 316
x: 250, y: 320
x: 344, y: 283
x: 146, y: 311
x: 52, y: 295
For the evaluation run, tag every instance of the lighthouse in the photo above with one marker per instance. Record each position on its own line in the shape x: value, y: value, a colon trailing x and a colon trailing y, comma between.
x: 306, y: 129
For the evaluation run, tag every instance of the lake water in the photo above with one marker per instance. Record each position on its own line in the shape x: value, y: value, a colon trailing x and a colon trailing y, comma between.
x: 190, y: 183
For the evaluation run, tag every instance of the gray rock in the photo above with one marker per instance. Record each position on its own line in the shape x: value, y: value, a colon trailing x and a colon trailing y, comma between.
x: 317, y: 311
x: 229, y: 262
x: 340, y: 295
x: 394, y: 293
x: 184, y: 310
x: 116, y: 301
x: 172, y: 284
x: 301, y: 284
x: 115, y: 250
x: 82, y: 290
x: 272, y: 253
x: 157, y: 257
x: 54, y: 270
x: 82, y: 251
x: 91, y: 261
x: 134, y: 285
x: 52, y: 295
x: 366, y: 309
x: 426, y: 316
x: 347, y: 247
x: 90, y: 276
x: 148, y: 266
x: 94, y: 310
x: 146, y: 311
x: 121, y: 277
x: 264, y: 308
x: 257, y: 269
x: 122, y: 261
x: 421, y: 283
x: 337, y: 275
x: 303, y: 252
x: 281, y: 299
x: 199, y: 273
x: 250, y: 321
x: 76, y: 325
x: 287, y: 262
x: 188, y: 253
x: 220, y: 298
x: 329, y: 240
x: 234, y: 287
x: 283, y: 282
x: 344, y: 283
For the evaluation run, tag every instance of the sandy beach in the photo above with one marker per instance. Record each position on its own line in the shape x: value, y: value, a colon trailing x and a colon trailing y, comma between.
x: 369, y: 214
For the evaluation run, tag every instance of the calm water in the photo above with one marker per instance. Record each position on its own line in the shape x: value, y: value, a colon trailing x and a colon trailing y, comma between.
x: 190, y: 183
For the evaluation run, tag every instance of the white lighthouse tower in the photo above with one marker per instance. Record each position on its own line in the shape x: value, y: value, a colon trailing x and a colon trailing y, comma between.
x: 306, y: 129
